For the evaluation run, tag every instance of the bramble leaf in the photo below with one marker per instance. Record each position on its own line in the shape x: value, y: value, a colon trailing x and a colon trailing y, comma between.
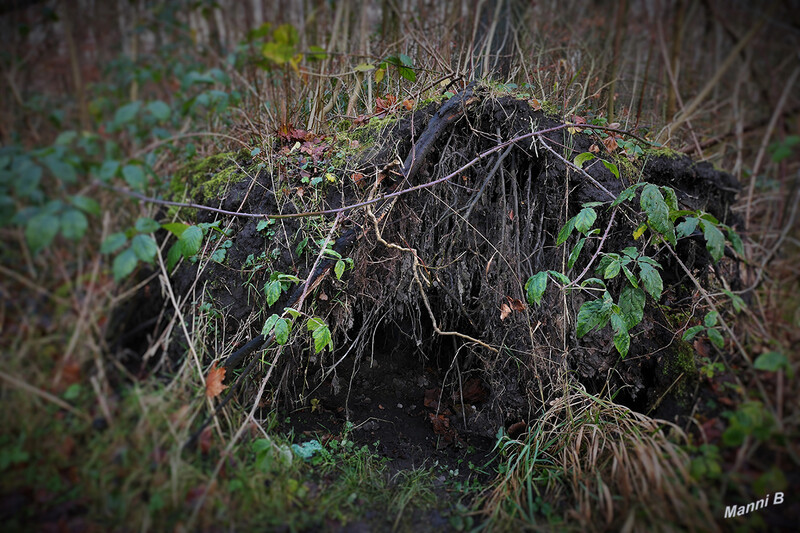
x: 191, y: 239
x: 113, y: 242
x: 715, y: 240
x: 651, y: 280
x: 535, y: 287
x: 573, y: 256
x: 124, y: 264
x: 147, y: 225
x: 692, y: 332
x: 272, y: 290
x: 580, y: 159
x: 73, y: 224
x: 144, y: 247
x: 653, y: 204
x: 585, y: 219
x: 566, y: 231
x: 40, y: 231
x: 631, y: 301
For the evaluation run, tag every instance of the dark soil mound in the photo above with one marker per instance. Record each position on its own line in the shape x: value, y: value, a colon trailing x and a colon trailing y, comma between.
x: 441, y: 290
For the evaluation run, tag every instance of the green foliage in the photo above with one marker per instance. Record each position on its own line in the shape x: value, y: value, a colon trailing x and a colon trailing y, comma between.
x: 282, y: 327
x: 320, y: 333
x: 750, y: 419
x: 773, y: 361
x: 278, y: 284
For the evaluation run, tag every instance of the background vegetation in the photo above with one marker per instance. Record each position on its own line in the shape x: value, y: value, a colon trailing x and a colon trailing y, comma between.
x: 105, y: 99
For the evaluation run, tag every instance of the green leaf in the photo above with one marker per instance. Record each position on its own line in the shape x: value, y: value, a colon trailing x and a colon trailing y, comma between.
x: 278, y: 53
x: 626, y: 195
x: 573, y: 256
x: 715, y: 240
x: 364, y: 67
x: 622, y: 339
x: 585, y: 219
x: 113, y: 242
x: 716, y: 337
x: 653, y: 204
x: 591, y: 315
x: 176, y: 228
x: 614, y: 170
x: 339, y: 269
x: 160, y: 110
x: 286, y: 34
x: 535, y: 287
x: 580, y: 159
x: 273, y: 291
x: 692, y: 332
x: 40, y: 231
x: 27, y: 180
x: 108, y: 170
x: 282, y: 331
x: 191, y: 239
x: 173, y: 255
x: 565, y: 232
x: 134, y: 176
x: 147, y: 225
x: 593, y: 281
x: 631, y: 252
x: 710, y: 319
x: 736, y: 300
x: 85, y: 204
x: 631, y: 301
x: 73, y: 224
x: 124, y: 264
x: 314, y: 323
x: 651, y: 280
x: 126, y: 113
x: 687, y: 227
x: 612, y: 269
x: 559, y: 276
x: 670, y: 198
x: 144, y: 247
x: 736, y: 242
x: 630, y: 276
x: 60, y: 169
x: 771, y: 361
x: 322, y: 338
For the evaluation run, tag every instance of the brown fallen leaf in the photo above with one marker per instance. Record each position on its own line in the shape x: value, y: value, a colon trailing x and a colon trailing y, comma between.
x: 214, y: 379
x: 611, y: 143
x: 594, y: 148
x: 505, y: 310
x: 408, y: 104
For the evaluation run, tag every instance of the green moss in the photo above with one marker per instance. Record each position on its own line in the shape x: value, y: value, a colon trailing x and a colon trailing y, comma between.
x: 681, y: 366
x: 663, y: 151
x: 205, y: 178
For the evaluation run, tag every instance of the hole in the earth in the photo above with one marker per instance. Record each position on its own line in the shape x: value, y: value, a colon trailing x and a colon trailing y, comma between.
x: 413, y: 403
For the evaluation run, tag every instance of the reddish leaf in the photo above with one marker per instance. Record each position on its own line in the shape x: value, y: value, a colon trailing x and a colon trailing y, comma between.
x: 205, y: 440
x: 408, y: 104
x: 214, y: 386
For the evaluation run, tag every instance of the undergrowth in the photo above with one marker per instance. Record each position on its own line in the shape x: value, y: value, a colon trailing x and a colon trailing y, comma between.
x: 93, y: 434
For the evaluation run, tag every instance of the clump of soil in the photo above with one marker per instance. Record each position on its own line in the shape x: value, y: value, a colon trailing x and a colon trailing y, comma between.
x: 436, y: 346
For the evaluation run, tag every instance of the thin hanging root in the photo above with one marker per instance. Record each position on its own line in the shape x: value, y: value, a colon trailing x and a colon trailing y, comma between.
x: 415, y: 271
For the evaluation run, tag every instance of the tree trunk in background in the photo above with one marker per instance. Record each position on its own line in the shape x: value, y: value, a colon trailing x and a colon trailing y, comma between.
x: 619, y: 34
x: 675, y: 54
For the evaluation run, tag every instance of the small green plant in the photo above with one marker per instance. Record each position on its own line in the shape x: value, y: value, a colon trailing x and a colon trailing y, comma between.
x: 278, y: 284
x: 710, y: 328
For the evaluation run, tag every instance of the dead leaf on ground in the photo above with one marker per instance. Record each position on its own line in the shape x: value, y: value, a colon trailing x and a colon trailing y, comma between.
x: 611, y: 143
x: 505, y: 310
x: 214, y: 386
